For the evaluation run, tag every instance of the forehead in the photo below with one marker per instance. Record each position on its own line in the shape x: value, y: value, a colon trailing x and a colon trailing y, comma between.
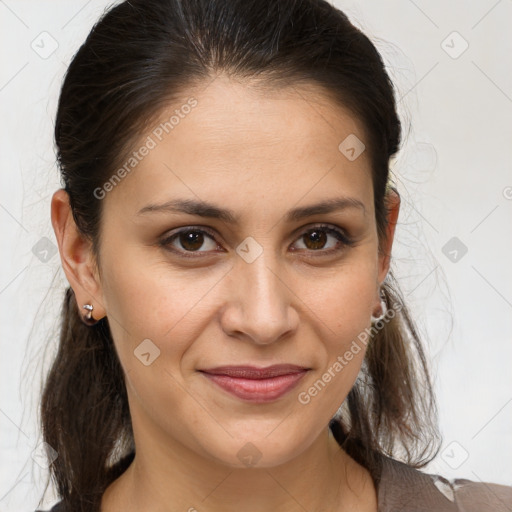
x: 250, y: 114
x: 237, y: 142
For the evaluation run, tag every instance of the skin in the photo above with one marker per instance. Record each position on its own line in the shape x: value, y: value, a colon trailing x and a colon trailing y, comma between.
x: 258, y: 154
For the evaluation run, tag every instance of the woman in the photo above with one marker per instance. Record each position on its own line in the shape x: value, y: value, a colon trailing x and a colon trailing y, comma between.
x: 232, y: 333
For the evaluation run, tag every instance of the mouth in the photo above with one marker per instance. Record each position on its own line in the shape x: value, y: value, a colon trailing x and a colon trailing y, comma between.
x: 257, y: 385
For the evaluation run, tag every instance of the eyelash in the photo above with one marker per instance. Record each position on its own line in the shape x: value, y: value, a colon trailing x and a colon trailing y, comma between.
x: 339, y: 234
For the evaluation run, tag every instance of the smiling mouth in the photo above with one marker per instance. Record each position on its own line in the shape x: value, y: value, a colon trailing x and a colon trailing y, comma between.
x: 257, y: 385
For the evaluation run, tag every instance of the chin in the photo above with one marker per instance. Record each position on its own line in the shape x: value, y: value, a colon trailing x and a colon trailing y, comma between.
x: 259, y: 452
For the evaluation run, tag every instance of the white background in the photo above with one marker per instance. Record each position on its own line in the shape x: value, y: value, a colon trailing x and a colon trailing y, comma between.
x: 454, y: 174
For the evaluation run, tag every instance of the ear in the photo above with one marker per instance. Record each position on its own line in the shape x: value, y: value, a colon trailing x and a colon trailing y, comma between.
x: 392, y: 204
x: 76, y: 256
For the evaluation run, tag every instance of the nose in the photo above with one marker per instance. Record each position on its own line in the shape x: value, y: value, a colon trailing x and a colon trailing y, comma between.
x: 260, y: 304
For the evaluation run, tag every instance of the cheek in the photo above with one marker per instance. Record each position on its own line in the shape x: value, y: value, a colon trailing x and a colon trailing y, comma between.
x: 154, y: 305
x: 155, y: 316
x: 344, y: 302
x: 343, y: 318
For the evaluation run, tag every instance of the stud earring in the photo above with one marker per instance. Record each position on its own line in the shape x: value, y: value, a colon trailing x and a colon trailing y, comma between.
x: 88, y: 318
x: 382, y: 310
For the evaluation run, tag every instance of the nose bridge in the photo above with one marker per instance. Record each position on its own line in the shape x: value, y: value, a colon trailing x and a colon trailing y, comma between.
x: 263, y: 299
x: 263, y: 283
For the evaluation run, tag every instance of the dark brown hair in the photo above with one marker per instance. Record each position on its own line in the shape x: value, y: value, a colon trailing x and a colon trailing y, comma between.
x: 139, y: 57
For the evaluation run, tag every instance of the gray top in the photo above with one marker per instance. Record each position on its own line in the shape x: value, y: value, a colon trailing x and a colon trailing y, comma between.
x: 405, y: 489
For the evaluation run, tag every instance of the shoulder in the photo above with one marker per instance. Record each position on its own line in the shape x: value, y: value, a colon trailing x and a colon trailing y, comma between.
x: 58, y: 507
x: 402, y: 487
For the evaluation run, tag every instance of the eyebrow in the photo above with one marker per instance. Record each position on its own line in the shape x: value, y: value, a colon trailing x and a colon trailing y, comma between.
x: 209, y: 210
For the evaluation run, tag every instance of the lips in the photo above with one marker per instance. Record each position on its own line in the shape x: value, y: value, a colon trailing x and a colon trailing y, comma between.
x: 252, y: 372
x: 258, y: 385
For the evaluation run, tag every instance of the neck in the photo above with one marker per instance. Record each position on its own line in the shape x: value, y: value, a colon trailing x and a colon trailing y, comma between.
x: 323, y: 477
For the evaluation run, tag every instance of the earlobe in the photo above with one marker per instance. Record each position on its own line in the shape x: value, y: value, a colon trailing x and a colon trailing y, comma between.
x: 77, y: 258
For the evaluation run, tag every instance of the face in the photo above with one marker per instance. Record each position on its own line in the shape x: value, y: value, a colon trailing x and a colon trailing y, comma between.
x: 185, y: 292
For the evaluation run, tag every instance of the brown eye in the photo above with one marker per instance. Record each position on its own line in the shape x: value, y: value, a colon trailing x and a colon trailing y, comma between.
x: 315, y: 239
x: 191, y: 240
x: 324, y: 240
x: 318, y: 239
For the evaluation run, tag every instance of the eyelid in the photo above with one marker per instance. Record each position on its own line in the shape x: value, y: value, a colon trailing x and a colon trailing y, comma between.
x: 332, y: 229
